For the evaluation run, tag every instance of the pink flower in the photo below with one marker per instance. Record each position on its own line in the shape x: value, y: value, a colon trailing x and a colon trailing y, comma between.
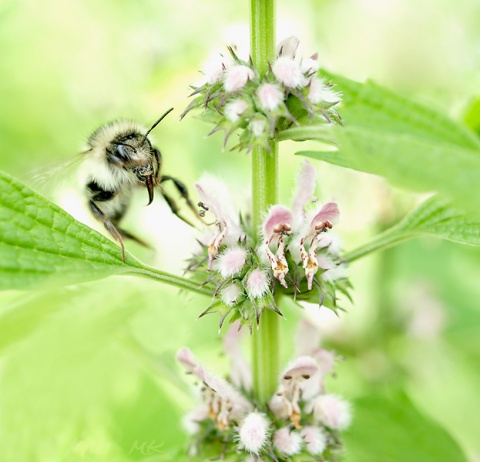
x: 281, y: 222
x: 257, y: 284
x: 278, y: 220
x: 288, y: 442
x: 236, y: 77
x: 315, y: 440
x: 231, y: 261
x: 215, y: 198
x: 253, y: 432
x: 186, y: 358
x: 240, y: 373
x: 288, y: 72
x: 270, y: 96
x: 224, y: 403
x: 297, y: 372
x: 304, y: 192
x: 307, y: 342
x: 321, y: 222
x: 277, y: 225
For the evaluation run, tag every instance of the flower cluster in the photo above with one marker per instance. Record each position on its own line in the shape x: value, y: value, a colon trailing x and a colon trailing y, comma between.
x: 300, y: 419
x: 297, y: 256
x: 235, y: 96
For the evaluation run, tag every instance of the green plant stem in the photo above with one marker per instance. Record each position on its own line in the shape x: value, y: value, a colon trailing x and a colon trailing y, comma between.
x: 266, y: 339
x: 170, y: 279
x: 381, y: 242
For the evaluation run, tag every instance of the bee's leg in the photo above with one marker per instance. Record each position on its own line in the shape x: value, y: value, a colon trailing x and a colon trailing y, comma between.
x: 182, y: 189
x: 174, y: 208
x: 100, y: 216
x: 128, y: 235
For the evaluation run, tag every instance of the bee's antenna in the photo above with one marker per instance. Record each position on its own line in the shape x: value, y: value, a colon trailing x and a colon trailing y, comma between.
x: 156, y: 123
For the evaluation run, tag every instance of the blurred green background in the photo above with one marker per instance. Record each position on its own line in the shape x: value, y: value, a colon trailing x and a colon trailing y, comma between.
x: 87, y: 373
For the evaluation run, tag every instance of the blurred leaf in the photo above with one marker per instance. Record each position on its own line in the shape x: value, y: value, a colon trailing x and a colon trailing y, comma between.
x: 322, y: 132
x: 22, y: 318
x: 412, y: 145
x: 409, y: 162
x: 332, y: 157
x: 434, y: 217
x: 472, y: 116
x: 371, y: 106
x: 146, y: 424
x: 391, y: 429
x: 39, y: 240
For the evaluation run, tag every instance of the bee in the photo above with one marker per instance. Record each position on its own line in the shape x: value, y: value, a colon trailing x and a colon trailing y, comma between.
x: 119, y: 158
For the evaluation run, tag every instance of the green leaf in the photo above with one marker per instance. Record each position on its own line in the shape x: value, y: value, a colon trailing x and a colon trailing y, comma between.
x: 413, y: 163
x: 391, y: 429
x: 412, y: 145
x: 39, y: 240
x: 434, y: 217
x: 321, y: 132
x: 374, y: 107
x: 332, y: 157
x: 472, y: 116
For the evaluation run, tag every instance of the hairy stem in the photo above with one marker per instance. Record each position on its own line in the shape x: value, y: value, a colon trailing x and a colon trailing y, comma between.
x: 266, y: 339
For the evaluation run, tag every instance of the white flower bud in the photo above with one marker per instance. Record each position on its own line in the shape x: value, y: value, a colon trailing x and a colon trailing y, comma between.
x: 288, y: 47
x: 257, y: 127
x: 231, y: 294
x: 319, y: 92
x: 332, y: 411
x: 287, y: 442
x: 257, y: 284
x: 288, y: 72
x: 231, y: 262
x: 333, y: 274
x: 253, y: 432
x: 214, y: 68
x: 235, y: 109
x: 236, y: 77
x: 309, y: 65
x: 280, y: 406
x: 315, y: 440
x: 270, y: 96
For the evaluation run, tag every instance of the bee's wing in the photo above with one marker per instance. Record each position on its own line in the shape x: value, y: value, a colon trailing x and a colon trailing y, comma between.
x: 51, y: 178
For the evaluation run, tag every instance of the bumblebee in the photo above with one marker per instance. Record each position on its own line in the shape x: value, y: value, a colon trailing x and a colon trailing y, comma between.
x: 119, y: 158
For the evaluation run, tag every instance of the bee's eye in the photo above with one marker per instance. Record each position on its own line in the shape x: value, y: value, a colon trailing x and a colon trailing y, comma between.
x: 122, y: 152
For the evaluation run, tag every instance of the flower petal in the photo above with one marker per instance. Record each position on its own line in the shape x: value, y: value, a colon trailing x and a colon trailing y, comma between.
x: 277, y: 215
x: 288, y: 47
x: 329, y: 212
x: 305, y: 189
x: 300, y: 369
